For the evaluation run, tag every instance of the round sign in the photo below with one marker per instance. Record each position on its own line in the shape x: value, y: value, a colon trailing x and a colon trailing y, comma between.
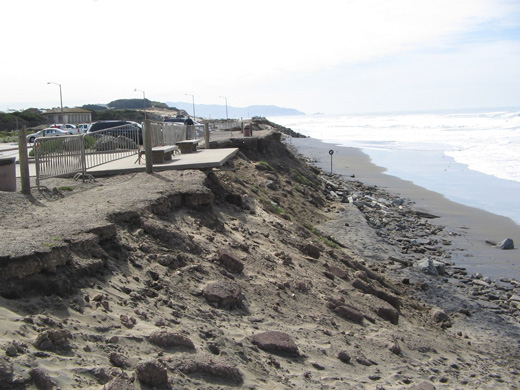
x: 331, y: 152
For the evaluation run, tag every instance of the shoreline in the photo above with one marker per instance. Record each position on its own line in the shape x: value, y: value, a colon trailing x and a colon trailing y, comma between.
x: 471, y: 227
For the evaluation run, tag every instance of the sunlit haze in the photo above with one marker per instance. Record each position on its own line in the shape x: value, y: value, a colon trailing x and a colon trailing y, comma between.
x: 330, y: 56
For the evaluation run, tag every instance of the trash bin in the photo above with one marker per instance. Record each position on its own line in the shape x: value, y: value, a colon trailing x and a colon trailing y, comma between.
x: 247, y: 131
x: 8, y: 174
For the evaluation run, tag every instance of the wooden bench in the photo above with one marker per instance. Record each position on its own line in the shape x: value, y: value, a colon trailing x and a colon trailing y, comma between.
x: 188, y: 145
x: 161, y: 154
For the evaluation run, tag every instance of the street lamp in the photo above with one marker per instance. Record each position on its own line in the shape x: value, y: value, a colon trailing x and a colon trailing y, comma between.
x: 144, y: 101
x: 61, y: 100
x: 193, y: 101
x: 226, y: 106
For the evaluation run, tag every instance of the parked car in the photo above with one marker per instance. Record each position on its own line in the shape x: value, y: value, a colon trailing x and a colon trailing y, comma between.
x: 181, y: 120
x: 176, y: 120
x: 65, y: 126
x: 129, y: 130
x: 49, y: 132
x: 83, y: 127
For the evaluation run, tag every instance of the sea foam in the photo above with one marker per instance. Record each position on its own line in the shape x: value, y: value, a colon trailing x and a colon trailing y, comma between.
x: 485, y: 142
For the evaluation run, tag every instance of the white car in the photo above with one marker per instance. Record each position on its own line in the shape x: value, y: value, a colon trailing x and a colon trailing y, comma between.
x: 83, y: 127
x: 50, y: 132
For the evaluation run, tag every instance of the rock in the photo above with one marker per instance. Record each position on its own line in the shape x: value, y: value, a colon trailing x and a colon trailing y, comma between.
x: 41, y: 380
x: 369, y: 289
x: 276, y: 342
x: 345, y: 310
x: 363, y: 361
x: 395, y: 348
x: 506, y: 244
x: 430, y: 267
x: 388, y: 313
x: 228, y: 372
x: 224, y: 294
x: 338, y: 272
x: 350, y: 313
x: 151, y: 373
x: 6, y: 373
x: 128, y: 322
x: 118, y: 360
x: 312, y: 251
x: 119, y: 384
x: 230, y: 261
x: 422, y: 386
x: 53, y: 339
x: 271, y: 185
x: 361, y: 275
x: 344, y: 357
x: 167, y: 339
x: 441, y: 317
x: 11, y: 350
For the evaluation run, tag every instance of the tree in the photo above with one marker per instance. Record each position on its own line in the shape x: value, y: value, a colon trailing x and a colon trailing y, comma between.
x: 132, y: 104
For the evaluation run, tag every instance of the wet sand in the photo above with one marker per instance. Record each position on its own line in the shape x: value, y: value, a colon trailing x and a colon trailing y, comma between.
x: 472, y: 227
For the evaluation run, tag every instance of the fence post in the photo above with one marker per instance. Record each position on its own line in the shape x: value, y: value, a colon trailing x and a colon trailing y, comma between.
x: 24, y: 161
x: 83, y: 157
x: 206, y: 135
x: 147, y: 140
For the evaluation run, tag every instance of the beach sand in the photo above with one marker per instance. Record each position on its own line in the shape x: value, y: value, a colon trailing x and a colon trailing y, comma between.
x: 472, y: 227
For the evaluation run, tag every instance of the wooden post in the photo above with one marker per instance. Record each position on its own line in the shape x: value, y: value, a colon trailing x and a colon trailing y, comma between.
x: 206, y: 135
x: 147, y: 140
x: 24, y: 161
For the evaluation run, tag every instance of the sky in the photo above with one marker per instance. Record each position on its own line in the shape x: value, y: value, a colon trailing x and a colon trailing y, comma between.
x: 333, y: 56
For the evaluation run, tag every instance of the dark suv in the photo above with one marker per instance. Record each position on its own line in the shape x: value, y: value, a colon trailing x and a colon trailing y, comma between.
x: 120, y: 128
x: 177, y: 120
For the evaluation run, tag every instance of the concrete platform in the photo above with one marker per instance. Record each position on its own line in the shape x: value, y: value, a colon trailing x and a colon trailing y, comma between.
x: 203, y: 159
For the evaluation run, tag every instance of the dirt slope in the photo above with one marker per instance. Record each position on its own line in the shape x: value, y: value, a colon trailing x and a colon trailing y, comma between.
x: 244, y: 278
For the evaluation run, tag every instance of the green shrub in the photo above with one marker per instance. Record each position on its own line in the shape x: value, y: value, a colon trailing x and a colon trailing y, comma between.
x: 49, y: 147
x: 326, y: 240
x: 89, y: 141
x: 300, y: 178
x: 266, y: 164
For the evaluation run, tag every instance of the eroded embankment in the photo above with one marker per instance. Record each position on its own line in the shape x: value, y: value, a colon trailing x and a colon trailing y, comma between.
x: 187, y: 281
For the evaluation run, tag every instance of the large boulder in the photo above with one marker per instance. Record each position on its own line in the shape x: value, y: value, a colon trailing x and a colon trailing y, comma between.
x: 167, y: 339
x: 276, y: 342
x: 230, y: 261
x: 151, y: 373
x: 311, y: 250
x: 223, y: 294
x: 53, y: 340
x: 221, y: 370
x: 345, y: 310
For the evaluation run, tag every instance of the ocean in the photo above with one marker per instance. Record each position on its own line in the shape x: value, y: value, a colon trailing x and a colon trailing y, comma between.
x: 471, y: 157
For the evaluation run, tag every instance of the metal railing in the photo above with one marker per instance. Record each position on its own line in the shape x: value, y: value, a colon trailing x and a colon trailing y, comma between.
x: 67, y: 155
x: 111, y: 144
x: 167, y: 133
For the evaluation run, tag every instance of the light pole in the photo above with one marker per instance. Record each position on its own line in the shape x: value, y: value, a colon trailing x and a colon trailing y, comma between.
x: 61, y: 99
x: 226, y: 106
x: 144, y: 101
x: 193, y: 101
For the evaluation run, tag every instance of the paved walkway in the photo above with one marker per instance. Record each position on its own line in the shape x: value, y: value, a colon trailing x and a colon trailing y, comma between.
x: 204, y: 159
x: 201, y: 159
